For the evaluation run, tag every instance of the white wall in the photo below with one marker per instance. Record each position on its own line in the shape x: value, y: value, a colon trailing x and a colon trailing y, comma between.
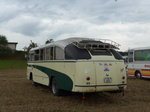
x: 12, y: 46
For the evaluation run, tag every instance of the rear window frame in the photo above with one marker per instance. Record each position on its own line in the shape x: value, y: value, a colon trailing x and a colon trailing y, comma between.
x: 107, y: 53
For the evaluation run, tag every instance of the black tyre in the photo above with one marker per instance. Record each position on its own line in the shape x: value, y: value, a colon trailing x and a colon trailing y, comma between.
x: 34, y: 83
x: 138, y: 75
x: 31, y: 78
x: 54, y: 88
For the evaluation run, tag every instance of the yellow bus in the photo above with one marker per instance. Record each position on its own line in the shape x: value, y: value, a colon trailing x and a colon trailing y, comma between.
x: 78, y: 65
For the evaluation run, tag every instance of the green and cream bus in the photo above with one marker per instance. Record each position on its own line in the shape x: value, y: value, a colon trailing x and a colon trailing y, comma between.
x: 78, y: 65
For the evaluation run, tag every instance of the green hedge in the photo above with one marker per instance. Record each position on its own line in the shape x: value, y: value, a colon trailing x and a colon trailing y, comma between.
x: 17, y: 55
x: 13, y: 64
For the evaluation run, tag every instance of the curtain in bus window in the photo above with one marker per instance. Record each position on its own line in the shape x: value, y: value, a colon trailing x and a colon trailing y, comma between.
x: 142, y: 55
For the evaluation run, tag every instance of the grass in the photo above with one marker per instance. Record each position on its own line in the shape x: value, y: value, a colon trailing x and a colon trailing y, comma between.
x: 13, y: 64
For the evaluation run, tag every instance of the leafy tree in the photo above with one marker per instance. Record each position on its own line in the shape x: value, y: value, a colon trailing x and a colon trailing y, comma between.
x: 4, y: 49
x: 49, y: 41
x: 31, y: 45
x: 27, y: 49
x: 3, y: 40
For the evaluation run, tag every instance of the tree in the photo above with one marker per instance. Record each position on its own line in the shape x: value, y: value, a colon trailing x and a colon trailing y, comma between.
x: 49, y: 41
x: 4, y: 49
x: 3, y: 40
x: 31, y: 45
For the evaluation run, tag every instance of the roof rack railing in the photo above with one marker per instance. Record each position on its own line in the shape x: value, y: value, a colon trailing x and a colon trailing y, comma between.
x: 98, y: 44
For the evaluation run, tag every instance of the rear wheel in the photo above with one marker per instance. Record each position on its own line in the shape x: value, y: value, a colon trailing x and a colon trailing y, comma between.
x: 31, y: 78
x: 138, y: 75
x: 55, y: 90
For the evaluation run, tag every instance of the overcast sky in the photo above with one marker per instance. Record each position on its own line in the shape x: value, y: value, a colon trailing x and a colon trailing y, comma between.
x: 124, y: 21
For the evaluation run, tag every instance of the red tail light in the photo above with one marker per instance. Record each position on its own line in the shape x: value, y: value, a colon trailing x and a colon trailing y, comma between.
x: 88, y: 78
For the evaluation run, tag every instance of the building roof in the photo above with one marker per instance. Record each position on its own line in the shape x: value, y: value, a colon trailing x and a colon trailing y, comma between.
x: 12, y: 42
x: 139, y: 48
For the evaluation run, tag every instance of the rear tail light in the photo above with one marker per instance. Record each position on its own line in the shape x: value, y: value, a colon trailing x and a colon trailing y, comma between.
x: 88, y: 78
x: 123, y: 77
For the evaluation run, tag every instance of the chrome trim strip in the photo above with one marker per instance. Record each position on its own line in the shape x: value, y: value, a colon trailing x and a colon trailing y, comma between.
x: 99, y: 85
x: 41, y: 61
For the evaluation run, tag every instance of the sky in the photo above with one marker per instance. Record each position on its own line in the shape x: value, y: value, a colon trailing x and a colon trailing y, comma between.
x: 126, y: 22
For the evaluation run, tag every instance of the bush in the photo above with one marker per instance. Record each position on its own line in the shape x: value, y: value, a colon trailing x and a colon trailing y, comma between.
x: 9, y: 54
x: 3, y: 40
x: 5, y: 51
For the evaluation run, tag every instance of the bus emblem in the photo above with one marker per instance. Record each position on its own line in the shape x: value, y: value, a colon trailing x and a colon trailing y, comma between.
x: 106, y: 69
x: 105, y: 64
x: 110, y: 64
x: 100, y: 64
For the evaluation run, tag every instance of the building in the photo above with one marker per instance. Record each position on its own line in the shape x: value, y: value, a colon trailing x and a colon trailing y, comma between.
x: 12, y: 45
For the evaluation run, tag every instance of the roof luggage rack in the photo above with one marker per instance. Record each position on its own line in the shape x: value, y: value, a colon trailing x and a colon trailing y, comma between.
x: 97, y: 44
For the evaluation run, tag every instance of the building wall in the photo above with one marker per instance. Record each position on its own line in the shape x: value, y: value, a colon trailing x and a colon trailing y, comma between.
x: 12, y: 46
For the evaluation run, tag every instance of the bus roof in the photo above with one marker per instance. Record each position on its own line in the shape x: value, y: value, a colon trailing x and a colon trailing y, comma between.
x: 139, y: 48
x: 63, y: 43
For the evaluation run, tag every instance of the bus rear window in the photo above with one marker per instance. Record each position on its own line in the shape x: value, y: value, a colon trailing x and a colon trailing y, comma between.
x: 116, y: 54
x: 74, y: 53
x: 101, y: 52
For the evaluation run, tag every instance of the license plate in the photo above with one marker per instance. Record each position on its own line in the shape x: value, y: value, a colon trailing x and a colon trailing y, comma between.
x: 107, y: 80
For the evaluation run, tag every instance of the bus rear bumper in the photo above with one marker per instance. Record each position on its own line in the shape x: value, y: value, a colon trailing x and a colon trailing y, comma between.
x: 99, y: 88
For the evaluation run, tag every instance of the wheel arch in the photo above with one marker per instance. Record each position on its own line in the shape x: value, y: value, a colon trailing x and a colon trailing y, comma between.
x: 137, y: 71
x: 50, y: 80
x: 138, y: 74
x: 31, y: 76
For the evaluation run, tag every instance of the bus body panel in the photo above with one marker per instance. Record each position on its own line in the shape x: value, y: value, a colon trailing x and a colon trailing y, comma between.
x: 142, y: 67
x: 51, y: 69
x: 37, y: 74
x: 85, y: 70
x: 139, y: 62
x: 110, y: 73
x: 100, y: 72
x: 78, y: 65
x: 78, y: 72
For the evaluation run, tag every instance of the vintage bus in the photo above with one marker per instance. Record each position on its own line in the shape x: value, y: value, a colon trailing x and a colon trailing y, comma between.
x: 139, y: 62
x: 78, y: 65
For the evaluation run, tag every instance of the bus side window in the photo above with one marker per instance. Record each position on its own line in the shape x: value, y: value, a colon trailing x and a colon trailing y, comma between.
x: 31, y: 57
x: 130, y: 56
x: 59, y: 53
x: 36, y: 55
x: 47, y: 53
x: 42, y: 54
x: 142, y: 55
x: 52, y: 53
